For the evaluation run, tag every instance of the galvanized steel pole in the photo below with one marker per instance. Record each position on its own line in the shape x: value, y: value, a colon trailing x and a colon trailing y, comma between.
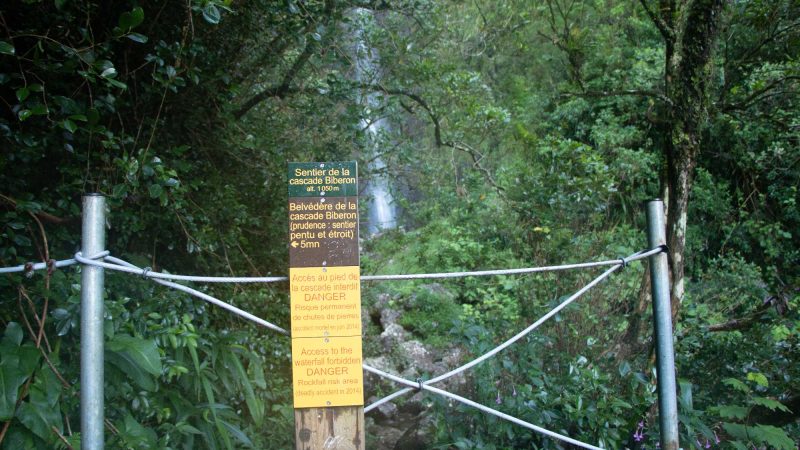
x: 662, y: 319
x: 93, y: 239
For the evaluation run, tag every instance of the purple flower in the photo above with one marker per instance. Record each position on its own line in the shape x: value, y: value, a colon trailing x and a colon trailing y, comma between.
x: 498, y: 400
x: 638, y: 435
x: 716, y: 438
x: 708, y: 444
x: 513, y: 391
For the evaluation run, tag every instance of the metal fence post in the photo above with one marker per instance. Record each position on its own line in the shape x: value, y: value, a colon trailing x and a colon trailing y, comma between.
x: 662, y: 319
x: 93, y: 237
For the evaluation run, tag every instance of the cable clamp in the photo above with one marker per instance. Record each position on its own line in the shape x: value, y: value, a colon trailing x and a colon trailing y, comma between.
x: 420, y: 383
x: 51, y: 266
x: 623, y: 262
x: 28, y: 269
x: 145, y: 271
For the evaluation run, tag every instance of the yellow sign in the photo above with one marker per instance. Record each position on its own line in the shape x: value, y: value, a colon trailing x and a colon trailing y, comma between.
x: 325, y: 301
x: 326, y: 371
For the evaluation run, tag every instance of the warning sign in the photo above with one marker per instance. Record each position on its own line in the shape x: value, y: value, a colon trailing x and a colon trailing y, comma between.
x: 325, y: 284
x: 325, y: 301
x: 327, y: 371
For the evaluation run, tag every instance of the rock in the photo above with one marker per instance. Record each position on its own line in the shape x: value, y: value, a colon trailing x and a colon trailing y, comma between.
x: 372, y: 381
x: 382, y: 301
x: 386, y: 411
x: 420, y: 436
x: 416, y: 359
x: 392, y: 336
x: 389, y: 317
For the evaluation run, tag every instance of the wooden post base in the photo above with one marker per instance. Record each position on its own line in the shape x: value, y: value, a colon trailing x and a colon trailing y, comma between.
x: 340, y: 428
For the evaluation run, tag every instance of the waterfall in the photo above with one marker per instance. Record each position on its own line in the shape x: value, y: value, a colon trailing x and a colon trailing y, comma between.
x: 382, y: 211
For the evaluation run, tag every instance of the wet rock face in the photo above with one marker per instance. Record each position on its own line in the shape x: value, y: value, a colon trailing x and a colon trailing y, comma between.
x: 406, y: 422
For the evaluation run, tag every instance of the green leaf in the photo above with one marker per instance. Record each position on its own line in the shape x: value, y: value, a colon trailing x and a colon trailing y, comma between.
x: 117, y: 84
x: 211, y: 14
x: 238, y: 433
x: 770, y: 404
x: 137, y: 37
x: 143, y: 352
x: 758, y: 378
x: 128, y: 20
x: 136, y: 435
x: 155, y: 190
x: 40, y: 110
x: 69, y: 126
x: 41, y: 414
x: 13, y: 335
x: 109, y: 73
x: 254, y: 404
x: 22, y: 241
x: 733, y: 412
x: 774, y: 437
x: 209, y: 391
x: 24, y: 114
x: 17, y: 364
x: 6, y: 48
x: 185, y: 428
x: 137, y: 16
x: 737, y: 430
x: 23, y: 93
x: 736, y: 384
x: 686, y: 394
x: 11, y: 378
x: 128, y: 367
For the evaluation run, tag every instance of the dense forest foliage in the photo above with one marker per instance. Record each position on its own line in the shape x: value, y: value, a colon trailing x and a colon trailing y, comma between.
x: 523, y: 133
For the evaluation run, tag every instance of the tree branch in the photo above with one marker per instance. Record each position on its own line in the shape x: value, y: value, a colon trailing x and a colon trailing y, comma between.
x: 757, y: 95
x: 284, y: 87
x: 620, y: 93
x: 741, y: 323
x: 437, y: 130
x: 663, y: 28
x: 41, y: 215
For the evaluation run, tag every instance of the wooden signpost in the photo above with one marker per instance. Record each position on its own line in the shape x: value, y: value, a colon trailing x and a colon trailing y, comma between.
x: 325, y: 294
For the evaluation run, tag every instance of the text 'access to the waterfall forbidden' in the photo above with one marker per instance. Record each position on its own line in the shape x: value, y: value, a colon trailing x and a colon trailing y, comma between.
x: 325, y: 284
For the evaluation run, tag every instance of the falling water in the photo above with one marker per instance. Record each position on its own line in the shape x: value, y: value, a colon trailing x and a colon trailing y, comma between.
x: 382, y: 211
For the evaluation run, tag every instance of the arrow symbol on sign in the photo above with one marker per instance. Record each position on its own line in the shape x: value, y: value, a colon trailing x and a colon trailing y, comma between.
x: 294, y: 244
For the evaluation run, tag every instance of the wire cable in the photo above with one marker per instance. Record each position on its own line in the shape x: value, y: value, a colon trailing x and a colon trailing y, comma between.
x: 524, y: 332
x: 213, y: 300
x: 148, y: 273
x: 160, y: 278
x: 44, y: 265
x: 412, y: 385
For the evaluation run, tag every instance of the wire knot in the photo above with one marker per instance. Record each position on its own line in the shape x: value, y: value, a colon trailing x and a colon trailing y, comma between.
x: 623, y: 262
x: 145, y: 271
x: 419, y: 383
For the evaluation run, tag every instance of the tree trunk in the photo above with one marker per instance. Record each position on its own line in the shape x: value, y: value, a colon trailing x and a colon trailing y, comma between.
x: 688, y: 82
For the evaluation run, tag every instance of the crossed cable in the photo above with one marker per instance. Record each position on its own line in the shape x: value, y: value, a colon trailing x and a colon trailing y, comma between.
x: 106, y: 261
